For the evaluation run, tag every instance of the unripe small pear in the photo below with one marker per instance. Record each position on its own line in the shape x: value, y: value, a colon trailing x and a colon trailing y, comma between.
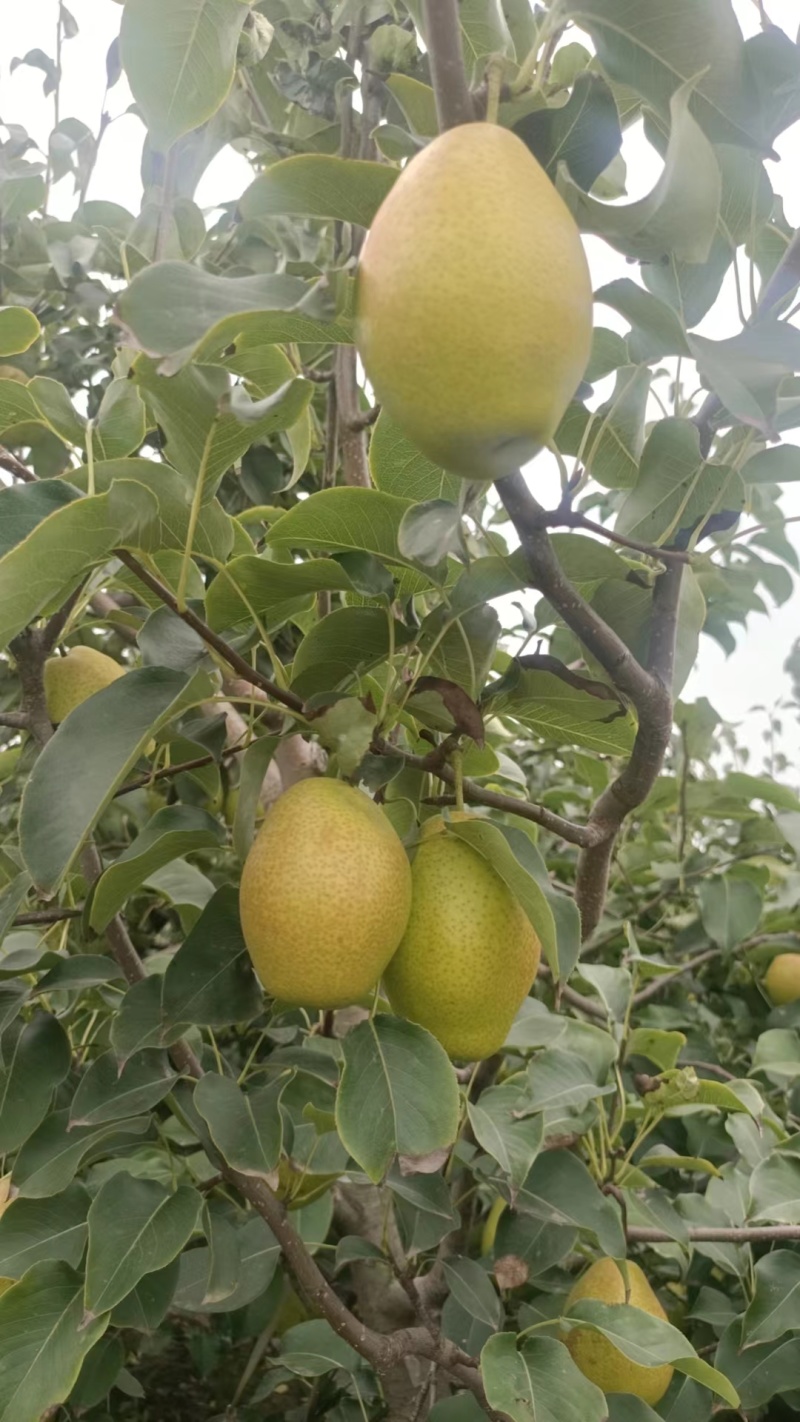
x: 70, y: 680
x: 782, y: 978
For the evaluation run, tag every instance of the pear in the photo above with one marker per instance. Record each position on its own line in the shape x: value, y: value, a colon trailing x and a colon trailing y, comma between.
x: 598, y: 1359
x: 782, y: 978
x: 474, y: 303
x: 325, y: 895
x: 74, y: 678
x: 469, y: 954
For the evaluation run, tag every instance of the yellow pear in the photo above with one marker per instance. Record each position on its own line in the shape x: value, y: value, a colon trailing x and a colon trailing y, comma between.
x: 74, y: 678
x: 325, y: 895
x: 782, y: 979
x: 469, y: 954
x: 598, y: 1359
x: 474, y: 303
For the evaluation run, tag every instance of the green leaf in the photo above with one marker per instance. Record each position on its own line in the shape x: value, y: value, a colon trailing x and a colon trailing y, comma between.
x: 105, y: 735
x: 472, y: 1288
x: 214, y: 529
x: 780, y: 465
x: 319, y: 185
x: 489, y: 841
x: 679, y: 217
x: 19, y: 328
x: 173, y: 308
x: 36, y: 1057
x: 658, y: 1046
x: 145, y: 1306
x: 584, y: 133
x: 730, y: 909
x: 677, y: 489
x: 343, y: 520
x: 135, y: 1227
x: 312, y: 1349
x: 558, y: 1081
x: 225, y: 1260
x: 100, y: 1370
x: 203, y: 436
x: 760, y: 1372
x: 560, y: 1189
x: 775, y: 1306
x: 566, y: 714
x: 513, y: 1141
x: 615, y: 438
x: 398, y: 1095
x: 45, y: 1340
x: 246, y: 1127
x: 655, y: 50
x: 398, y: 468
x: 180, y: 61
x: 62, y: 547
x: 50, y: 1158
x: 538, y: 1382
x: 343, y: 645
x: 33, y: 1230
x: 747, y: 370
x: 172, y: 832
x: 210, y: 981
x: 655, y: 329
x: 778, y: 1054
x: 274, y: 592
x: 110, y: 1091
x: 775, y: 1190
x: 121, y: 422
x: 258, y: 1254
x: 253, y: 767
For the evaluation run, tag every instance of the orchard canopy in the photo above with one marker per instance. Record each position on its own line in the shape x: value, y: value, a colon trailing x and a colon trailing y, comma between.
x: 229, y: 573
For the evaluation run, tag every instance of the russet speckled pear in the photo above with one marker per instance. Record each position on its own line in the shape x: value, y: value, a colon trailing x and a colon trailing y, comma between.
x: 71, y: 680
x: 599, y: 1360
x: 474, y: 303
x: 325, y: 895
x: 469, y: 954
x: 782, y: 978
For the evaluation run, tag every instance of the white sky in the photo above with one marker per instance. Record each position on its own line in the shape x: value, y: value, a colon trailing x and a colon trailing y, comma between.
x: 754, y: 673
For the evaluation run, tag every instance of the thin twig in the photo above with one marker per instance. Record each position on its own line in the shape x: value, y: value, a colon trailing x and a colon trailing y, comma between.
x: 736, y: 1234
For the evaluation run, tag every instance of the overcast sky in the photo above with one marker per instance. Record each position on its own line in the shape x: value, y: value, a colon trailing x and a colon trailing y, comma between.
x: 754, y: 673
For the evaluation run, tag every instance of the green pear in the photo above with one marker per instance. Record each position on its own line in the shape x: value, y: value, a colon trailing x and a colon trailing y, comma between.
x: 469, y: 954
x: 325, y: 895
x: 782, y: 978
x: 72, y: 679
x: 598, y: 1359
x: 474, y: 303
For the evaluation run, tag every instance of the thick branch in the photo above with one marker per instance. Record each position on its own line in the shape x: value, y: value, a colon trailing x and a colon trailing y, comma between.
x: 546, y: 574
x: 639, y: 776
x: 443, y: 37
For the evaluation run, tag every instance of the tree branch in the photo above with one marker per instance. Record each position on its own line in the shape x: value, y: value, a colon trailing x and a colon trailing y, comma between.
x: 646, y: 994
x: 14, y: 720
x: 735, y: 1234
x: 278, y: 693
x: 492, y: 799
x: 12, y: 465
x: 443, y: 38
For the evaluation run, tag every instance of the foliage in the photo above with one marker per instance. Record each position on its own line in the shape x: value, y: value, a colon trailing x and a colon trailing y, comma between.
x: 197, y: 486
